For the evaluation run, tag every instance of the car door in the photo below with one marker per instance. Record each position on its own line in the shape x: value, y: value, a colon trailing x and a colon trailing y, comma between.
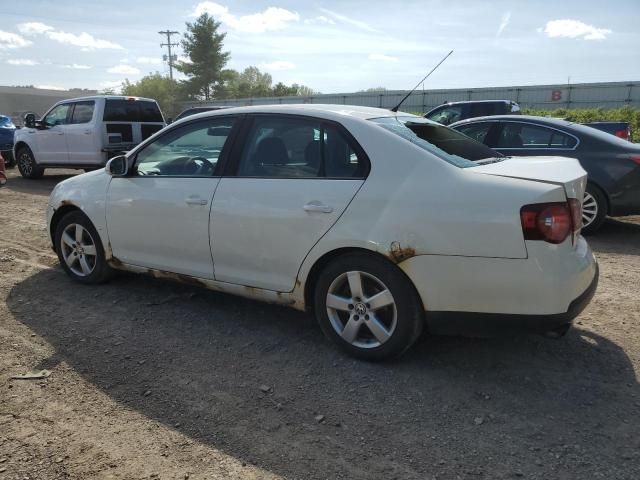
x: 51, y: 136
x: 158, y: 215
x: 526, y: 139
x: 287, y: 185
x: 81, y: 139
x: 483, y: 132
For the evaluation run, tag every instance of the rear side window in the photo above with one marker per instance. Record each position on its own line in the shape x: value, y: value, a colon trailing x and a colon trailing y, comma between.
x: 82, y: 112
x: 132, y: 111
x: 446, y: 115
x: 522, y: 135
x: 284, y: 147
x: 476, y: 131
x: 485, y: 109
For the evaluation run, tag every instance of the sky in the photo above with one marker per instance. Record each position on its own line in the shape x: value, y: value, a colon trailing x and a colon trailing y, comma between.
x: 330, y: 46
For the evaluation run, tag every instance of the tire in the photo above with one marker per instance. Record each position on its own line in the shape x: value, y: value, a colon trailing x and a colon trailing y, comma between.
x: 27, y: 164
x: 594, y: 209
x: 83, y: 260
x: 347, y: 317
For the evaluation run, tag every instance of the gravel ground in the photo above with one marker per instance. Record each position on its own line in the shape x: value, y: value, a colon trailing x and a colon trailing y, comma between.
x: 151, y: 379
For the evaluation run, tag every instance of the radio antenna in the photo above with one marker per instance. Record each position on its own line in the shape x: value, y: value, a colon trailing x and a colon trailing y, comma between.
x: 395, y: 109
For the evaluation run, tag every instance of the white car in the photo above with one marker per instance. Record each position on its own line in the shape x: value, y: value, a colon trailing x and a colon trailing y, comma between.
x: 84, y: 132
x: 379, y: 223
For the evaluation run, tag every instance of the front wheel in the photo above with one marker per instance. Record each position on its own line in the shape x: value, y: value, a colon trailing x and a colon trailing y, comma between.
x: 27, y: 164
x: 80, y: 250
x: 368, y: 307
x: 594, y: 209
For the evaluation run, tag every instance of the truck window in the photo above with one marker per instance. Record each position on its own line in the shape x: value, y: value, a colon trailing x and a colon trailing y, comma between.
x: 131, y: 111
x: 82, y: 112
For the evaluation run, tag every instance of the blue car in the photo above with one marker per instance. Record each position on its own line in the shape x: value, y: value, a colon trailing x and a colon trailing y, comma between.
x: 7, y: 131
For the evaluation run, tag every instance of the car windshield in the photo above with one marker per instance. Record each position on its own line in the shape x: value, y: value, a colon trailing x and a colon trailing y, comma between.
x: 444, y: 142
x: 5, y: 122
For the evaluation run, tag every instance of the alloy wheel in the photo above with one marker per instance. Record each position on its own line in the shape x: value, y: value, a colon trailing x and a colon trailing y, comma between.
x: 361, y: 309
x: 26, y: 164
x: 78, y: 249
x: 589, y: 209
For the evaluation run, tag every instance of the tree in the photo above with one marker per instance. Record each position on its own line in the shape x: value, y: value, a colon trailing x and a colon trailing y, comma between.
x: 304, y: 91
x: 162, y: 89
x: 282, y: 90
x: 203, y: 46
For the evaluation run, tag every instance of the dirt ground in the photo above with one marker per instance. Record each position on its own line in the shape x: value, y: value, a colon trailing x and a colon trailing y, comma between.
x: 151, y: 379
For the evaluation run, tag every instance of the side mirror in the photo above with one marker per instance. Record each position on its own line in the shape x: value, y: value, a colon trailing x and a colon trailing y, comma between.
x: 30, y: 120
x: 117, y: 166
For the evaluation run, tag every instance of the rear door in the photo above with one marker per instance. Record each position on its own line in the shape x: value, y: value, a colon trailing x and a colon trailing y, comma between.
x: 128, y: 121
x: 81, y: 134
x: 288, y: 184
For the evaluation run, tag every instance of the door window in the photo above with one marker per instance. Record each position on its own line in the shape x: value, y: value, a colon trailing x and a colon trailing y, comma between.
x: 191, y: 151
x: 57, y: 116
x: 447, y: 115
x: 284, y: 147
x: 82, y: 112
x: 521, y: 135
x: 477, y: 131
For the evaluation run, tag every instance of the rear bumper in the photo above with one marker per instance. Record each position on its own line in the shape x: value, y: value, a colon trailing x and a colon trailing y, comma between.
x: 475, y: 323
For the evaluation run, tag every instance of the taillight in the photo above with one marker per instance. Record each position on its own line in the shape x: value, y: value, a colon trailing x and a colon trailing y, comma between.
x: 624, y: 134
x: 551, y: 222
x: 575, y: 206
x: 635, y: 158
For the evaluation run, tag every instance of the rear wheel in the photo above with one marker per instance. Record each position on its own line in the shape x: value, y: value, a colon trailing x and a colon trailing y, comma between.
x: 80, y: 250
x: 594, y: 209
x: 27, y: 164
x: 368, y: 307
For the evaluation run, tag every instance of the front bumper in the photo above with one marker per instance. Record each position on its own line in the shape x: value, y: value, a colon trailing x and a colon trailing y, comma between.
x: 480, y: 324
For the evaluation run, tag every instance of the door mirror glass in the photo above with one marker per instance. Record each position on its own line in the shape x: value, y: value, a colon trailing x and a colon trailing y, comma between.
x: 30, y: 120
x: 117, y: 166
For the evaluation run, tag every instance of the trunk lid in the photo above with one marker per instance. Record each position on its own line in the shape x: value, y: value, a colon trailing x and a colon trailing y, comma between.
x: 563, y: 171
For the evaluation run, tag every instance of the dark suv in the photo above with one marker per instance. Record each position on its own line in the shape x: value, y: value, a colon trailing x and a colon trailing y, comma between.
x: 450, y: 112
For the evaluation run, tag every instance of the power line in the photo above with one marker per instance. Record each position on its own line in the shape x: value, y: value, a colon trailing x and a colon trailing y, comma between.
x: 170, y: 58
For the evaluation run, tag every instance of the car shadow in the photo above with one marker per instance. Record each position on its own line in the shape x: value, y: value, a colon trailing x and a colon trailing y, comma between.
x: 39, y: 186
x: 260, y: 383
x: 617, y: 235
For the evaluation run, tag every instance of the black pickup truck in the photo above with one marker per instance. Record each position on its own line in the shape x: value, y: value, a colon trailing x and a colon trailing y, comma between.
x: 619, y: 129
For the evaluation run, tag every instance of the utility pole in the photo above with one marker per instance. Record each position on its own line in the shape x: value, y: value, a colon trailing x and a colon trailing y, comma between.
x: 170, y: 58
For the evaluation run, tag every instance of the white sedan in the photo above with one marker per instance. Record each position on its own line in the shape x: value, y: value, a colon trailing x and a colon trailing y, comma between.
x: 381, y: 224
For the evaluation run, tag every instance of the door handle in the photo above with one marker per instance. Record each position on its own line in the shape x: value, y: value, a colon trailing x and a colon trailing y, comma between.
x: 87, y: 132
x: 317, y: 207
x: 195, y: 201
x: 59, y: 133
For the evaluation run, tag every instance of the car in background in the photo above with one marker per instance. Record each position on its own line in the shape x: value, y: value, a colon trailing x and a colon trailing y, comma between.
x: 376, y: 221
x: 83, y: 133
x: 612, y: 164
x: 7, y: 132
x: 194, y: 110
x: 451, y: 112
x: 619, y: 129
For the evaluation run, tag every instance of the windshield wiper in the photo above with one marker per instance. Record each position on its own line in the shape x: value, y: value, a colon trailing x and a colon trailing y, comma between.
x: 488, y: 161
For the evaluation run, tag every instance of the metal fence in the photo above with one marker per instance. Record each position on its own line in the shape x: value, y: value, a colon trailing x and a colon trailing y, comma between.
x: 579, y: 95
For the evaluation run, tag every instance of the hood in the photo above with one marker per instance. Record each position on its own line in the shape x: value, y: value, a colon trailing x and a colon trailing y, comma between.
x: 555, y: 170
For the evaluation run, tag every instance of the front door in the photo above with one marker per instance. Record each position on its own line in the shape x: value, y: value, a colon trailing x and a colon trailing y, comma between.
x: 291, y: 181
x: 51, y: 138
x: 158, y: 215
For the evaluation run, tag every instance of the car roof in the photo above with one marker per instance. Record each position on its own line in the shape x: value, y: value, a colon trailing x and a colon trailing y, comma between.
x: 519, y: 118
x: 108, y: 97
x: 462, y: 102
x: 316, y: 109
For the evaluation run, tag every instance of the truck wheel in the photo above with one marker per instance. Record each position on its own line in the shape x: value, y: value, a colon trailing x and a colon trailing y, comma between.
x: 27, y: 164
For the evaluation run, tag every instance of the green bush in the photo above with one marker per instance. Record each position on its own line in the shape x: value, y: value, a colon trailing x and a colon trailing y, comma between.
x: 583, y: 115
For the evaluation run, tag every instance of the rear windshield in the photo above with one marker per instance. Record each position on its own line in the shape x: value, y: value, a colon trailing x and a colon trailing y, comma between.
x: 444, y: 142
x: 132, y: 111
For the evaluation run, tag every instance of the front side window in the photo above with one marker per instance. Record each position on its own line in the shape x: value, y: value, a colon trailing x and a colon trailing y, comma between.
x: 57, y: 116
x: 444, y: 142
x: 192, y: 150
x: 82, y: 112
x: 522, y: 135
x: 285, y: 147
x: 446, y: 115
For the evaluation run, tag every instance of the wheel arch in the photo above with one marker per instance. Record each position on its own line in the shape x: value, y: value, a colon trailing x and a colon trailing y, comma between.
x: 19, y: 145
x: 328, y: 257
x: 59, y: 214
